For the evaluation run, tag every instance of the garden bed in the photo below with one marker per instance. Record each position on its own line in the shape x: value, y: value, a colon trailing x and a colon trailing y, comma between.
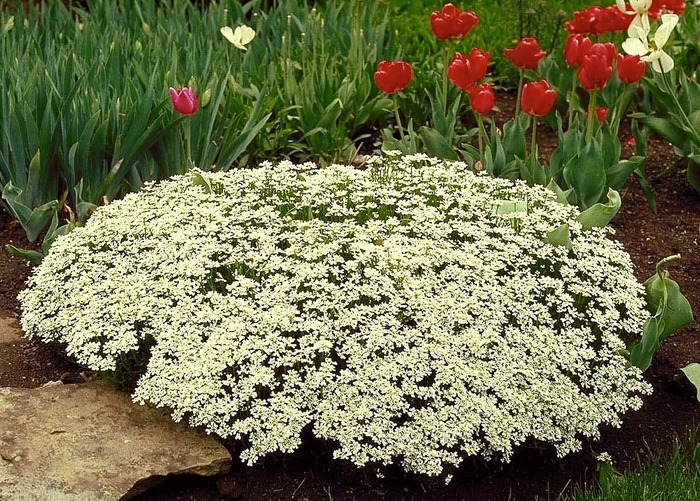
x: 670, y: 412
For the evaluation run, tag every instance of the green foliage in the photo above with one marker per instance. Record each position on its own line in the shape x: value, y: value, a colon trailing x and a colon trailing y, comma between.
x: 85, y: 102
x: 670, y: 311
x: 672, y: 477
x: 673, y: 112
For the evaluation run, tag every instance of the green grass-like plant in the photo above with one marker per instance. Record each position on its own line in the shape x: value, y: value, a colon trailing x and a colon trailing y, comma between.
x: 673, y: 477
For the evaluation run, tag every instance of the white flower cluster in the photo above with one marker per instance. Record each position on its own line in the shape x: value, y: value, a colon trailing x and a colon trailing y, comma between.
x: 412, y: 311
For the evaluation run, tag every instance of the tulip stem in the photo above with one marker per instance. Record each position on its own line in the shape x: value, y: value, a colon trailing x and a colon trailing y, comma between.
x: 520, y: 91
x: 398, y: 118
x: 572, y: 100
x: 591, y: 116
x: 188, y: 142
x: 482, y: 133
x: 689, y: 126
x: 533, y: 149
x: 448, y: 48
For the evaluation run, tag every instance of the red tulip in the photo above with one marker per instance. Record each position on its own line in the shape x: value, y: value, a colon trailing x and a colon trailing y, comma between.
x: 658, y: 7
x: 596, y: 67
x: 537, y: 98
x: 392, y: 76
x: 465, y: 70
x: 630, y: 68
x: 600, y: 113
x: 575, y: 48
x: 581, y: 22
x: 184, y: 100
x: 482, y: 98
x: 450, y: 22
x: 526, y: 54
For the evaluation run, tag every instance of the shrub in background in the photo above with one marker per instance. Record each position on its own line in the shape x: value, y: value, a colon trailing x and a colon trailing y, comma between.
x: 412, y: 312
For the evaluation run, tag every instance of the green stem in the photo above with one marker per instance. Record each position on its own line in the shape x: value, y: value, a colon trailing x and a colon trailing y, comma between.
x: 482, y: 134
x: 572, y: 100
x: 689, y: 125
x: 665, y: 261
x: 534, y: 161
x: 448, y: 49
x: 188, y: 142
x: 520, y: 91
x: 398, y: 118
x: 591, y: 116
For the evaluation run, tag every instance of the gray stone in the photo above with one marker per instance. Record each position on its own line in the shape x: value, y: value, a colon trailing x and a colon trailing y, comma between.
x: 89, y: 442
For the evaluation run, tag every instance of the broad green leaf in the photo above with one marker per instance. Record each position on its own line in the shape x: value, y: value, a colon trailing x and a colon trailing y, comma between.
x: 562, y: 196
x: 692, y: 372
x: 436, y: 144
x: 32, y: 256
x: 32, y: 220
x: 664, y: 293
x: 586, y: 174
x: 599, y: 215
x: 616, y: 175
x: 560, y: 236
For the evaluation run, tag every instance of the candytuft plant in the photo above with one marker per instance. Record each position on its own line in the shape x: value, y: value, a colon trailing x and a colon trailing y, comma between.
x: 412, y: 312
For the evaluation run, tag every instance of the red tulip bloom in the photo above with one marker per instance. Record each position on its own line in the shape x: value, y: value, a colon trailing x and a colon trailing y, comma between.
x: 466, y: 70
x: 601, y: 113
x: 575, y: 48
x: 659, y: 7
x: 184, y: 100
x: 596, y: 67
x: 526, y: 54
x: 537, y: 98
x: 581, y: 22
x: 392, y: 76
x: 482, y: 98
x: 630, y: 68
x: 450, y: 22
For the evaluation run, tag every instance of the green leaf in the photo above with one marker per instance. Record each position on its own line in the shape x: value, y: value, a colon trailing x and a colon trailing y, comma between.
x: 665, y: 128
x: 617, y: 174
x: 30, y: 255
x: 560, y: 236
x: 664, y: 293
x: 600, y: 214
x: 436, y: 144
x: 692, y: 372
x: 585, y: 173
x: 562, y: 196
x: 671, y: 311
x: 32, y: 220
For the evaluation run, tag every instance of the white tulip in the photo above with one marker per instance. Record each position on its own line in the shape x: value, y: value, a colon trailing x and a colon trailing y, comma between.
x: 239, y: 37
x: 638, y: 44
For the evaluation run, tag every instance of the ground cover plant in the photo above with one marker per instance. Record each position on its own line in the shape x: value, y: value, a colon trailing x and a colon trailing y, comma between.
x: 267, y: 300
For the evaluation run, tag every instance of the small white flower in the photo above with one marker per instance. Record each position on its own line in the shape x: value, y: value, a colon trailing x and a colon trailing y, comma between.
x: 240, y: 37
x: 638, y: 44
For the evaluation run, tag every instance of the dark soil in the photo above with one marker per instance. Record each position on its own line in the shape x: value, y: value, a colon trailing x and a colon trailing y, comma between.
x: 535, y: 472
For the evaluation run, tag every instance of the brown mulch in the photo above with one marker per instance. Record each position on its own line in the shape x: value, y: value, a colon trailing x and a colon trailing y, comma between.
x: 535, y: 472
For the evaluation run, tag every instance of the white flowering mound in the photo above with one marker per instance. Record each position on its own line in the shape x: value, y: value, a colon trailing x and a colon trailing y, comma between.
x: 413, y: 311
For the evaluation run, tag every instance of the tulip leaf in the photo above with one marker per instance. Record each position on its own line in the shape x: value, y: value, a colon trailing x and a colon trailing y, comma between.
x: 617, y: 174
x: 599, y: 215
x: 32, y: 256
x: 562, y: 196
x: 32, y: 220
x: 560, y: 236
x: 670, y: 311
x: 692, y: 372
x: 436, y: 144
x: 586, y: 173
